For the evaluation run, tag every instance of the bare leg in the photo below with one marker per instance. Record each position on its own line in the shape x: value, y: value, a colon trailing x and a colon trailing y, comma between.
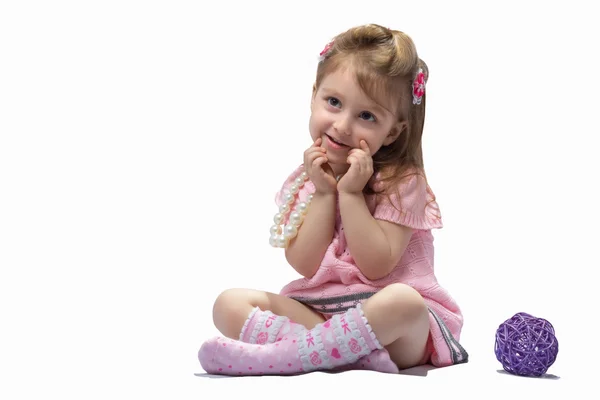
x: 232, y: 307
x: 399, y: 318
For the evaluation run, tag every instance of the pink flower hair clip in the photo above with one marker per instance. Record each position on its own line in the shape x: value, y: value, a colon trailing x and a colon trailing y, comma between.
x: 324, y: 52
x: 418, y: 87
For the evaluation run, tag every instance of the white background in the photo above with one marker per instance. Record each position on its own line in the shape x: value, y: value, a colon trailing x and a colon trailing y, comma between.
x: 142, y: 143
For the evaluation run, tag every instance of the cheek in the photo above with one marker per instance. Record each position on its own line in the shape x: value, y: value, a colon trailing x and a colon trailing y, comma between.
x: 374, y: 139
x: 365, y: 134
x: 313, y: 127
x: 319, y: 121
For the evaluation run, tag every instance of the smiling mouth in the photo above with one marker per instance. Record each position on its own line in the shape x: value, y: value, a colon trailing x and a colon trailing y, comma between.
x: 335, y: 141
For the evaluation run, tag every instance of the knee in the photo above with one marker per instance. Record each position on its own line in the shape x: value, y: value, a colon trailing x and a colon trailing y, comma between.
x: 406, y: 301
x: 238, y: 300
x: 227, y: 300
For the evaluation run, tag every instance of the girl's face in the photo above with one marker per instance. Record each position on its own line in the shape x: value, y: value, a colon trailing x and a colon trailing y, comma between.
x: 343, y: 115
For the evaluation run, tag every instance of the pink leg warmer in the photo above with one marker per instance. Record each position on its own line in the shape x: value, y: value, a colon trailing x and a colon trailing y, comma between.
x: 263, y: 327
x: 342, y: 340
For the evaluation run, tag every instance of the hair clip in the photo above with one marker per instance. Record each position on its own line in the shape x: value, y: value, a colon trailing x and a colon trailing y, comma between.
x: 418, y: 87
x: 324, y: 52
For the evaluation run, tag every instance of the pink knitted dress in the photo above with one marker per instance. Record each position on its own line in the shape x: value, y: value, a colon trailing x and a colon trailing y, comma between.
x: 339, y: 285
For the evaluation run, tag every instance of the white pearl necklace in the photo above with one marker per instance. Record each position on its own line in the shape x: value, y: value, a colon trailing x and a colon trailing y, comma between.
x: 280, y: 237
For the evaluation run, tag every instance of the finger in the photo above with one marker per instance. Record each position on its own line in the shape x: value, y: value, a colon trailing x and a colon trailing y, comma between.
x: 325, y: 170
x: 315, y: 150
x: 313, y: 153
x: 357, y: 152
x: 312, y: 164
x: 363, y: 158
x: 318, y: 161
x: 364, y: 164
x: 357, y: 156
x: 318, y: 142
x: 354, y: 169
x: 365, y: 147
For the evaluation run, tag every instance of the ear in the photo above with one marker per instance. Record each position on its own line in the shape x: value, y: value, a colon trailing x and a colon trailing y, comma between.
x: 314, y: 93
x: 395, y: 132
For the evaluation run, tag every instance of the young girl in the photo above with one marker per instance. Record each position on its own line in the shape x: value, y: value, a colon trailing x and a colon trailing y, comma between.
x: 357, y: 218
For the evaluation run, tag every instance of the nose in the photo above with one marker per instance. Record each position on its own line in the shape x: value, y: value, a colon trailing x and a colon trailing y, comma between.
x: 342, y: 124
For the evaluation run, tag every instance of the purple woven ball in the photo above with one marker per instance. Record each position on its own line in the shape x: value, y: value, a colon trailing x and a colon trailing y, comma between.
x: 526, y: 345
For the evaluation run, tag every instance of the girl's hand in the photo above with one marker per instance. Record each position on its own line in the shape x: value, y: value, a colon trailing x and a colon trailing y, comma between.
x: 360, y: 171
x: 319, y: 172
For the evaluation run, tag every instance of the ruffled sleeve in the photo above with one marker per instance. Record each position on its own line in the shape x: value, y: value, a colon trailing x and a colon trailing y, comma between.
x: 413, y: 205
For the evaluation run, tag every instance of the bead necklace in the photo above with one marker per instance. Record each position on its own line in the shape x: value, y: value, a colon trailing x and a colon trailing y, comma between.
x: 281, y: 235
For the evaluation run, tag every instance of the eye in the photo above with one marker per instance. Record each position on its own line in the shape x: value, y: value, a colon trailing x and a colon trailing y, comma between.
x: 332, y: 101
x: 367, y: 116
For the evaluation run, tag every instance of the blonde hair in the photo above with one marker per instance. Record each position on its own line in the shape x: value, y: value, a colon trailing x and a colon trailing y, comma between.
x: 386, y: 63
